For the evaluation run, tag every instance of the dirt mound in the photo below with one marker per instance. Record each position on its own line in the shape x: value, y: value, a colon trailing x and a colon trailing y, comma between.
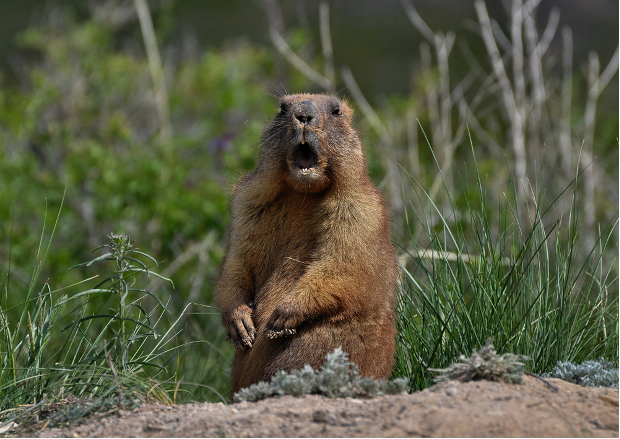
x: 450, y: 409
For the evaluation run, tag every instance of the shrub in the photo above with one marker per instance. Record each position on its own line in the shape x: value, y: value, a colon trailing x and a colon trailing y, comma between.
x: 593, y: 373
x: 338, y: 378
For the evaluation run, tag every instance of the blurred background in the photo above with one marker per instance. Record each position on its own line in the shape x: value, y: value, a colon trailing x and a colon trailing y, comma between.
x: 143, y: 130
x: 375, y: 39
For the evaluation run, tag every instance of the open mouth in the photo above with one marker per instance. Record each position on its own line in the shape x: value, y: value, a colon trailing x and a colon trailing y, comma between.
x: 305, y: 159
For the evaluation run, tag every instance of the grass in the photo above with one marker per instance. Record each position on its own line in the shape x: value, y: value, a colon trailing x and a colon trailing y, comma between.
x: 522, y: 284
x: 114, y: 358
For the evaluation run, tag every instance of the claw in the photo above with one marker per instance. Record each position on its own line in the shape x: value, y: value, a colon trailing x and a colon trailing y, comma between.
x: 247, y: 341
x: 240, y: 327
x: 270, y: 333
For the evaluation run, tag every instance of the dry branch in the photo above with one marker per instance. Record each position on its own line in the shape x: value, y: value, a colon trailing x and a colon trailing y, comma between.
x: 155, y: 66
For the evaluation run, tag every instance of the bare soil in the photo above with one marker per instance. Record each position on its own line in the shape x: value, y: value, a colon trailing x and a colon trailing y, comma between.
x: 450, y: 409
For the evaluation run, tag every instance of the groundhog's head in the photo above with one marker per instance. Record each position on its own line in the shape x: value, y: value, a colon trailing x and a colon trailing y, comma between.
x: 312, y: 142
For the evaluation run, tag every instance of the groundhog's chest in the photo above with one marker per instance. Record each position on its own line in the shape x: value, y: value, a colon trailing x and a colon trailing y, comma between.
x: 280, y: 238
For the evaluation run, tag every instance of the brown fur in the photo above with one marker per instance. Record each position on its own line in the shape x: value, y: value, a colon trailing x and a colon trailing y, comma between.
x: 310, y: 265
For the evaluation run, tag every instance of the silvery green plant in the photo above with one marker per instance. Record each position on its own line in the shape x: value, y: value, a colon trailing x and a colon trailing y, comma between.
x: 338, y: 378
x: 593, y: 373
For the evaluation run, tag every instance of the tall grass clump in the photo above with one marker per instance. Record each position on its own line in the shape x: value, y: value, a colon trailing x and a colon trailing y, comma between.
x: 59, y: 351
x: 520, y: 283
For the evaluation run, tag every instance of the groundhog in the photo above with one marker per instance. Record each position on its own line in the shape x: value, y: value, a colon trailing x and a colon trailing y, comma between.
x: 310, y: 265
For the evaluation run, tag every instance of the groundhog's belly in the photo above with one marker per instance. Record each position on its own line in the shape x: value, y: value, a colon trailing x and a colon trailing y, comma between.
x: 273, y: 289
x: 363, y: 339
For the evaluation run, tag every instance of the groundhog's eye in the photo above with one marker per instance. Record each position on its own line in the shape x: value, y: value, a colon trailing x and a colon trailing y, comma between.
x: 336, y: 111
x: 283, y: 109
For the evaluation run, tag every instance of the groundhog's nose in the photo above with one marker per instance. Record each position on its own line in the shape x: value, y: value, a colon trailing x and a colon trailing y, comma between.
x: 305, y: 112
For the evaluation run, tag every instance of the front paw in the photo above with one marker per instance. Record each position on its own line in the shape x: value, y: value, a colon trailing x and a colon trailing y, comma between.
x: 283, y: 321
x: 240, y: 327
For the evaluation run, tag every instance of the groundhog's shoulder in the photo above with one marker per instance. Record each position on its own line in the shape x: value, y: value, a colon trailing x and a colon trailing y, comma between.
x: 252, y: 190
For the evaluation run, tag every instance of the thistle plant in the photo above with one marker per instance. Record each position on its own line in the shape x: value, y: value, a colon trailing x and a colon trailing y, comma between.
x: 120, y: 283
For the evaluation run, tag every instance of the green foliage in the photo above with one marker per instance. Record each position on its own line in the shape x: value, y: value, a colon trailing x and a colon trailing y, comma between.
x: 338, y: 378
x: 62, y: 350
x: 86, y: 120
x: 522, y: 285
x: 126, y: 330
x: 89, y: 122
x: 593, y: 373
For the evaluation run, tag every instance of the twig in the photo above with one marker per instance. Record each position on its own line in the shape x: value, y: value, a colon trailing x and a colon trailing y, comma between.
x: 299, y: 63
x: 596, y: 84
x: 108, y: 357
x: 365, y: 107
x: 417, y: 21
x: 440, y: 105
x: 609, y: 72
x: 183, y: 259
x: 500, y: 37
x: 30, y: 409
x: 155, y: 66
x: 432, y: 101
x: 566, y: 99
x: 551, y: 386
x: 516, y: 26
x: 537, y: 89
x: 589, y: 204
x: 431, y: 254
x: 443, y: 47
x: 274, y: 15
x: 326, y: 42
x: 550, y: 30
x: 510, y: 98
x: 198, y: 282
x: 412, y: 142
